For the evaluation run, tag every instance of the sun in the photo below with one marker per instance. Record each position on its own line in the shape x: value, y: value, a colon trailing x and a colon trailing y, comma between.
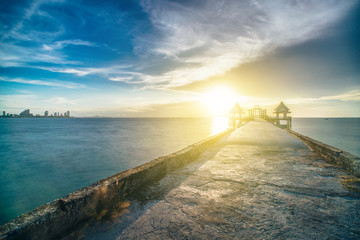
x: 219, y: 100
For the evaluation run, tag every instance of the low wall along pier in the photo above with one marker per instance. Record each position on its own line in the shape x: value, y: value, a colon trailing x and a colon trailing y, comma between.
x: 99, y: 200
x: 345, y: 160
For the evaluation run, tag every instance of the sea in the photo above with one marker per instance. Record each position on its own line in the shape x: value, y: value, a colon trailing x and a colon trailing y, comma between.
x: 43, y: 159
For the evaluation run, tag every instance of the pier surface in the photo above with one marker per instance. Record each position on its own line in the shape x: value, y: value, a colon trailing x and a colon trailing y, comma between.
x: 258, y: 182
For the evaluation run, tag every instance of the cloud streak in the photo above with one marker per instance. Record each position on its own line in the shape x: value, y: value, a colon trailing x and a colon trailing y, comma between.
x: 109, y: 72
x: 353, y: 95
x: 53, y: 83
x: 31, y: 40
x: 62, y: 44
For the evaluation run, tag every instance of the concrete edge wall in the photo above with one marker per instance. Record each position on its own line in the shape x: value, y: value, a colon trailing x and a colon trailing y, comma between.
x: 99, y: 200
x: 345, y: 160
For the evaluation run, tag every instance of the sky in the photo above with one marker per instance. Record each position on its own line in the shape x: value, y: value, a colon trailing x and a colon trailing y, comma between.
x: 168, y: 58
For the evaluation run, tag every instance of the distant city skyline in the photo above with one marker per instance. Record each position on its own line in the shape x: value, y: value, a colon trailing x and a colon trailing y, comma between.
x: 27, y: 113
x: 175, y: 58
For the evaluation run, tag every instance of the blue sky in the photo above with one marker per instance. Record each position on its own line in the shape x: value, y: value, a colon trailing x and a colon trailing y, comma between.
x: 159, y: 58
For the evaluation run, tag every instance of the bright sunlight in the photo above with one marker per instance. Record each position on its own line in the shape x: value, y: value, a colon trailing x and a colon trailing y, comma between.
x: 219, y: 100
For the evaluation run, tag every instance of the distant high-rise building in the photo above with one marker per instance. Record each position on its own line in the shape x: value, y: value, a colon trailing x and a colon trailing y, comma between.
x: 68, y: 113
x: 4, y: 113
x: 46, y: 113
x: 55, y: 114
x: 26, y: 113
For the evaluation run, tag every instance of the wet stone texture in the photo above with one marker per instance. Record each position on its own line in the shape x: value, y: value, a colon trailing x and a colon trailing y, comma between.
x: 259, y: 182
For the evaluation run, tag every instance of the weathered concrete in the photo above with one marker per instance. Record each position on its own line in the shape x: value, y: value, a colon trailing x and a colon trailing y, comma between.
x: 258, y: 183
x: 345, y: 160
x: 101, y: 200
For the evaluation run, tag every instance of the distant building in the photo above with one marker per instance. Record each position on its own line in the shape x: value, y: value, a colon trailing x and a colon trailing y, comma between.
x: 26, y: 113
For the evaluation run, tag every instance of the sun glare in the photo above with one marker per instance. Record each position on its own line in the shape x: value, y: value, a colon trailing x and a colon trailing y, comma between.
x: 219, y: 124
x: 219, y: 100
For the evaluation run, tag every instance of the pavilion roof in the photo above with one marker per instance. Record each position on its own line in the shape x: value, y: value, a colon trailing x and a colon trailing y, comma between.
x: 237, y: 109
x: 282, y: 108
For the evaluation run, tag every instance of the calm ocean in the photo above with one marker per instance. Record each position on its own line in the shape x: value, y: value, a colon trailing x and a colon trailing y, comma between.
x: 45, y: 159
x: 343, y: 133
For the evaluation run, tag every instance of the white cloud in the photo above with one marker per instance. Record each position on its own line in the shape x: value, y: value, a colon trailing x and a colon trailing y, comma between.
x: 53, y: 83
x: 233, y: 32
x: 353, y: 95
x: 7, y: 97
x: 121, y: 79
x: 70, y: 70
x: 62, y: 44
x: 61, y: 101
x: 107, y: 71
x: 12, y: 56
x: 42, y: 40
x: 17, y: 30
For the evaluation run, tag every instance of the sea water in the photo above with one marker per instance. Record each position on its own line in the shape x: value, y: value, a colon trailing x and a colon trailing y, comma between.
x: 343, y: 133
x: 42, y: 159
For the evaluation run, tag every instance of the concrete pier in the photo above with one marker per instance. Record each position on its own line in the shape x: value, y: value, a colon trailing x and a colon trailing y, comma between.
x: 258, y: 182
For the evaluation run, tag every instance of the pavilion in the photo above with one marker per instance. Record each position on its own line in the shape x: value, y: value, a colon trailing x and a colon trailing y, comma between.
x: 282, y: 112
x: 235, y: 118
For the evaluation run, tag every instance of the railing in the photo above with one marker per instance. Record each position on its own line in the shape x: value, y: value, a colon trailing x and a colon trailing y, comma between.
x: 277, y: 121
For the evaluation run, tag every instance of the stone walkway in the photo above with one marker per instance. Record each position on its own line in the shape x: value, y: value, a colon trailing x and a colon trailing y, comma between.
x: 259, y: 182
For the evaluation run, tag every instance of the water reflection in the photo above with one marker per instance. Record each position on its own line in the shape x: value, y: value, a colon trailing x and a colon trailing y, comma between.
x: 219, y: 124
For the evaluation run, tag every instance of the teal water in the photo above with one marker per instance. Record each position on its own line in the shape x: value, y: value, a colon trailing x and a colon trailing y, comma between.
x: 343, y: 133
x: 45, y: 159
